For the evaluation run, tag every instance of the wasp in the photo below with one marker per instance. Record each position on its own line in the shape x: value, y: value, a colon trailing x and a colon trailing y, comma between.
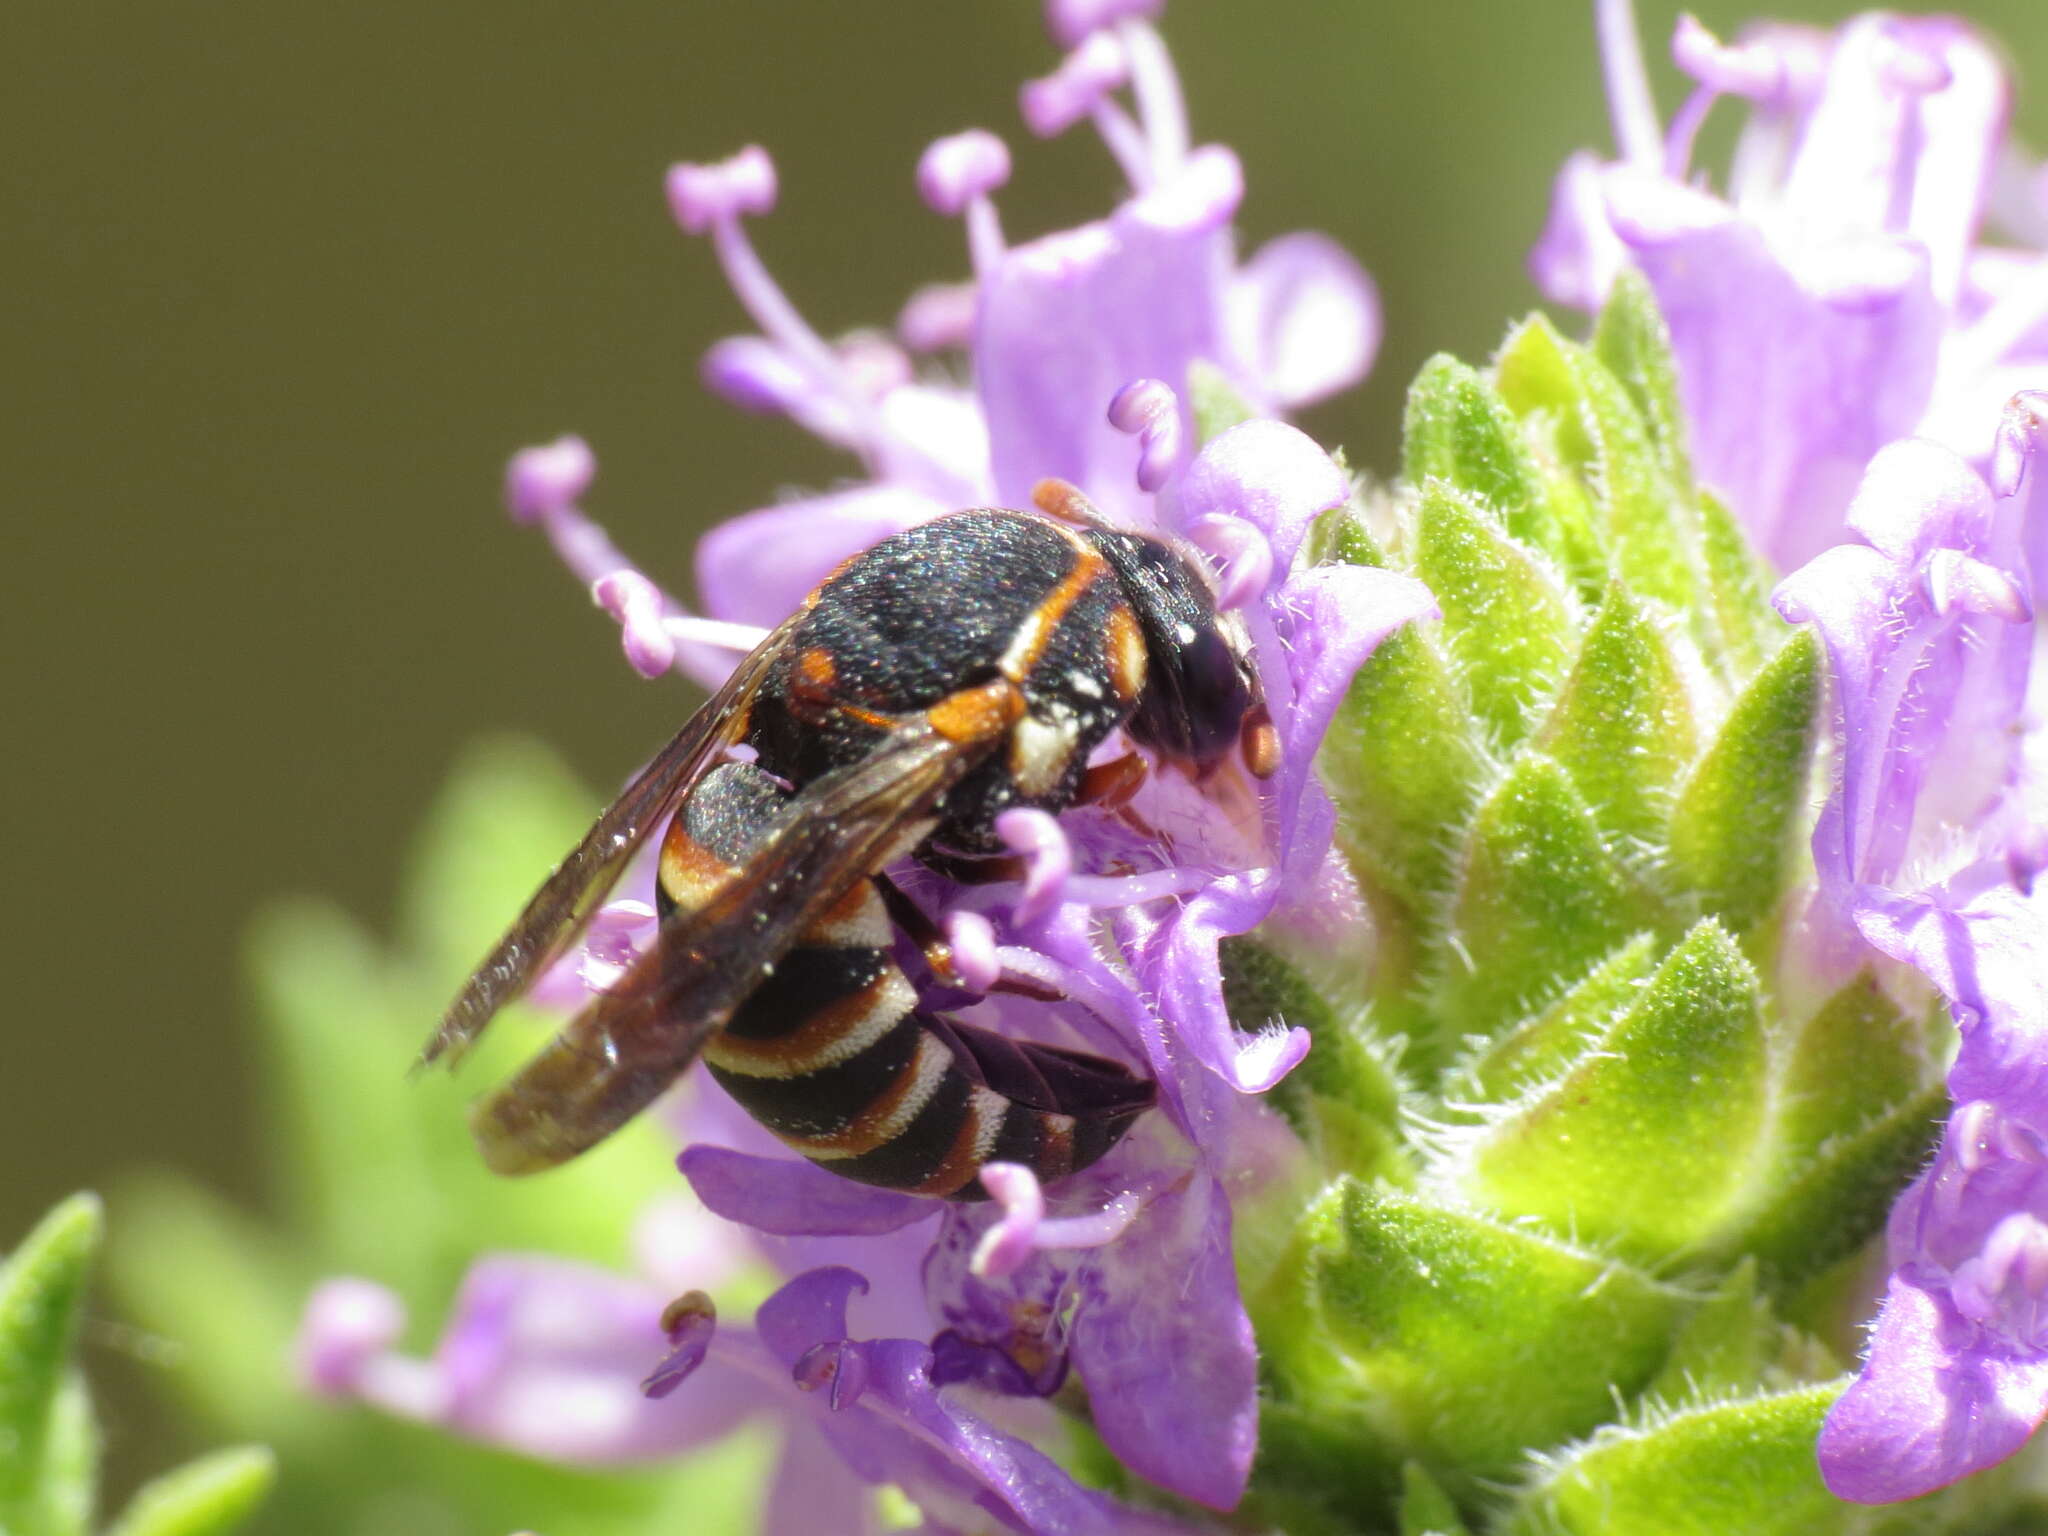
x: 951, y: 672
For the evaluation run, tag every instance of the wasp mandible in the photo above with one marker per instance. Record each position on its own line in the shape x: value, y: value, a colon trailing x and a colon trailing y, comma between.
x: 949, y: 673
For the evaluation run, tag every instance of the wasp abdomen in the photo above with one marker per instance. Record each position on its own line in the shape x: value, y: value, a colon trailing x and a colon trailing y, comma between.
x: 832, y: 1054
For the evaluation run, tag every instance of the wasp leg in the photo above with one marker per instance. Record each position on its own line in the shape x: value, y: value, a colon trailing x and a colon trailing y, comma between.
x: 926, y: 934
x: 972, y: 868
x: 1111, y: 785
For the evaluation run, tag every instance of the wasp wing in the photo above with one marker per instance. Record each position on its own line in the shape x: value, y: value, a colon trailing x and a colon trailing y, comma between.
x: 562, y: 908
x: 630, y: 1043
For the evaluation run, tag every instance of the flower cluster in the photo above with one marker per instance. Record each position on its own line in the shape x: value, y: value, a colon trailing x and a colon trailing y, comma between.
x: 1837, y: 293
x: 1138, y: 359
x: 1670, y: 916
x: 1856, y: 361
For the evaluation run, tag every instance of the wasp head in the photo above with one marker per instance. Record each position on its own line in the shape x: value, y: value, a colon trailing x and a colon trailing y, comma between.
x: 1201, y: 696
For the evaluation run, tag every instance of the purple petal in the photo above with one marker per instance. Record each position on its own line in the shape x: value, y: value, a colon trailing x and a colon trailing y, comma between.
x: 1989, y: 958
x: 794, y: 1198
x: 1578, y: 254
x: 1933, y: 1403
x: 1809, y: 309
x: 1906, y: 105
x: 758, y: 568
x: 1006, y: 1320
x: 543, y: 1356
x: 1926, y: 698
x: 957, y: 1468
x: 1334, y: 617
x: 1268, y: 474
x: 1790, y: 381
x: 1163, y: 1342
x: 813, y: 1489
x: 809, y: 1311
x: 1926, y: 632
x: 1066, y: 321
x: 935, y: 445
x: 1190, y: 984
x: 1304, y: 318
x: 348, y: 1326
x: 1331, y: 618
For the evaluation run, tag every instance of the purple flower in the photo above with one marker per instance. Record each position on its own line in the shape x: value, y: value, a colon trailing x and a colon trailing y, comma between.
x: 1925, y: 852
x: 1128, y: 1278
x: 1083, y: 349
x: 1052, y: 328
x: 1928, y: 627
x: 541, y: 1356
x: 1834, y: 296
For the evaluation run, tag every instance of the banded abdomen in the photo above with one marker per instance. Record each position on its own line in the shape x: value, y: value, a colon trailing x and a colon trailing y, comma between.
x: 832, y: 1054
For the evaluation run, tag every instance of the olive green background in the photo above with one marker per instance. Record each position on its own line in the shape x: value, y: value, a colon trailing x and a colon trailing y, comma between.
x: 285, y: 282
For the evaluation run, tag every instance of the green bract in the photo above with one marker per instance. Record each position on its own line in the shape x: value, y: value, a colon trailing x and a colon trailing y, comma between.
x: 49, y: 1438
x: 1595, y: 1175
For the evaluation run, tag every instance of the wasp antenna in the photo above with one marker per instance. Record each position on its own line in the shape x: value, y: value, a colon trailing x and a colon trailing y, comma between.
x: 1064, y: 500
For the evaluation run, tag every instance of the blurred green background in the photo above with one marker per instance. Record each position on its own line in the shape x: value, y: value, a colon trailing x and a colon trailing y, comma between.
x: 284, y: 284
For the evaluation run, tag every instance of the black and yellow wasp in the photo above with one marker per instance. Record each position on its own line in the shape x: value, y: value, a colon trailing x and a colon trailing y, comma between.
x: 951, y: 672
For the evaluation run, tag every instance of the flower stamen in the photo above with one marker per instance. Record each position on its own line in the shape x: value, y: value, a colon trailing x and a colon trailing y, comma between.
x: 1025, y: 1228
x: 838, y: 1364
x: 543, y: 485
x: 1633, y: 109
x: 956, y: 176
x: 1956, y: 582
x: 1755, y: 71
x: 2003, y: 1286
x: 1083, y: 86
x: 546, y: 480
x: 2019, y: 436
x: 937, y: 317
x: 637, y: 604
x: 972, y: 939
x: 1150, y: 410
x: 1071, y: 22
x: 1243, y: 553
x: 1155, y: 84
x: 690, y: 1321
x: 1048, y: 860
x: 712, y: 199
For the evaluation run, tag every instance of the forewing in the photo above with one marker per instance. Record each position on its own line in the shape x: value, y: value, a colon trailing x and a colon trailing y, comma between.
x: 560, y: 910
x: 616, y: 1057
